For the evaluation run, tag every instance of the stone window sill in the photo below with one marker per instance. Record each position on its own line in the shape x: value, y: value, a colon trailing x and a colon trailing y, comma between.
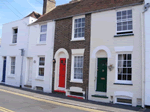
x: 78, y: 39
x: 123, y: 35
x: 13, y: 44
x: 123, y: 84
x: 76, y: 81
x: 11, y: 76
x: 40, y: 78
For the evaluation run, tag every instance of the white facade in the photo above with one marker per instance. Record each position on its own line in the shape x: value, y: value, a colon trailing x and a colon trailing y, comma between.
x: 106, y: 43
x: 147, y: 55
x: 36, y: 49
x: 12, y: 49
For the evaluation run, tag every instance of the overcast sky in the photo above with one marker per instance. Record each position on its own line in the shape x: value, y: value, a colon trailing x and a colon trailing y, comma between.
x: 11, y: 10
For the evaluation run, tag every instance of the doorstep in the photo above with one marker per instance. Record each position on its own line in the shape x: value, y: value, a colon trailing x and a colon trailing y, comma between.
x: 100, y: 96
x: 60, y: 91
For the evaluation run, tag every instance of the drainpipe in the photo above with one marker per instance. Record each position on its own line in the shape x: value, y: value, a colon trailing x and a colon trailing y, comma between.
x: 22, y: 54
x: 146, y: 7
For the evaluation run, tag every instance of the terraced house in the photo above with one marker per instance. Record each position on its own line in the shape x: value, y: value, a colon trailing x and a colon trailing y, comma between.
x: 90, y: 49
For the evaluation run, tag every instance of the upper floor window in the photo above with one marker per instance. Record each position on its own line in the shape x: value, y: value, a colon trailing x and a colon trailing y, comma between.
x: 43, y: 33
x: 124, y: 22
x: 15, y: 32
x: 78, y: 28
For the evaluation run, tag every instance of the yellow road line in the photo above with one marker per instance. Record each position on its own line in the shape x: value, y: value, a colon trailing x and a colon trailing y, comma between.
x: 53, y: 102
x: 5, y: 110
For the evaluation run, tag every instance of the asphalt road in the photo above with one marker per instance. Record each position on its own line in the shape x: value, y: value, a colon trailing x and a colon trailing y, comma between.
x: 15, y: 103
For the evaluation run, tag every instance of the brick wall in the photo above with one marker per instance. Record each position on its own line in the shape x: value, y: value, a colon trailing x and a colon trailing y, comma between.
x: 63, y: 33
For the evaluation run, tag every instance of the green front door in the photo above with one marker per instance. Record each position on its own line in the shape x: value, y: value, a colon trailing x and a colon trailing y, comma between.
x: 101, y: 75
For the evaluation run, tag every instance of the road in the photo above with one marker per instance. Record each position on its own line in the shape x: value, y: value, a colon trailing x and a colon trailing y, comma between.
x: 14, y: 103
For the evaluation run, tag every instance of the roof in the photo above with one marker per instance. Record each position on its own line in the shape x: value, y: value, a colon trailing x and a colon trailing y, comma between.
x: 84, y: 6
x: 34, y: 15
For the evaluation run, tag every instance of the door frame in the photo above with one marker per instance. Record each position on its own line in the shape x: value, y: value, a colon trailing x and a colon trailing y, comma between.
x: 97, y: 74
x: 3, y: 68
x: 28, y: 69
x: 60, y: 53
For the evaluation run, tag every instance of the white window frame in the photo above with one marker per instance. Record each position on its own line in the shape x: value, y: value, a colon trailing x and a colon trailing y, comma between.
x: 72, y: 70
x: 124, y: 81
x: 73, y: 28
x: 12, y: 65
x: 14, y: 35
x: 41, y: 66
x: 124, y: 21
x: 42, y: 42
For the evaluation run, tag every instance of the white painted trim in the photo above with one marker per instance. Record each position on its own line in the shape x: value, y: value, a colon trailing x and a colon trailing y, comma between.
x: 124, y: 49
x: 57, y: 65
x: 123, y: 93
x: 101, y: 48
x: 61, y: 50
x: 77, y: 51
x: 73, y: 19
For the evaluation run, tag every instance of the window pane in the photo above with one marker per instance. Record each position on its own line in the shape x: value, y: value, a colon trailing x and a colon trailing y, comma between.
x: 129, y: 12
x: 79, y: 28
x: 119, y: 28
x: 43, y: 37
x: 43, y: 28
x: 124, y: 13
x: 41, y: 71
x: 118, y: 13
x: 124, y: 67
x: 13, y: 59
x: 14, y: 38
x: 78, y: 67
x: 130, y: 27
x: 42, y: 61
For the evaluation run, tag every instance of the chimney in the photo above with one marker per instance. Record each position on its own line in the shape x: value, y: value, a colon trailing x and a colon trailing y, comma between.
x: 73, y: 1
x: 48, y: 5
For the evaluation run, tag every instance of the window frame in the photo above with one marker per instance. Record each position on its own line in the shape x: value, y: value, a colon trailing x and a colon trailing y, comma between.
x: 124, y: 81
x: 73, y: 28
x: 12, y: 65
x: 123, y: 31
x: 14, y: 34
x: 42, y: 42
x: 41, y: 66
x: 72, y: 69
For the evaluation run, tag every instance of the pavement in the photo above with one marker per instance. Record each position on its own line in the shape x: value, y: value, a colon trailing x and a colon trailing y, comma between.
x: 14, y: 99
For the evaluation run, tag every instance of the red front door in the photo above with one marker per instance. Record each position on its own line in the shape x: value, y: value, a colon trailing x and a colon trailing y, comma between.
x: 62, y: 72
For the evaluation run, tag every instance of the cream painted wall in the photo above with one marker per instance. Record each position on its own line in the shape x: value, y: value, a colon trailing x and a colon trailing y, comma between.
x: 103, y: 29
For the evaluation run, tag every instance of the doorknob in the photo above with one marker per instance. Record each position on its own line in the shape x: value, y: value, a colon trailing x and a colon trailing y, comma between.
x: 103, y: 70
x: 102, y: 78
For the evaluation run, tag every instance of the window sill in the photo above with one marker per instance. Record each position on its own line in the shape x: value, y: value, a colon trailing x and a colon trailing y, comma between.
x: 13, y: 44
x: 40, y: 78
x: 78, y: 39
x: 123, y: 35
x: 130, y: 84
x: 39, y: 44
x: 76, y: 81
x: 11, y: 76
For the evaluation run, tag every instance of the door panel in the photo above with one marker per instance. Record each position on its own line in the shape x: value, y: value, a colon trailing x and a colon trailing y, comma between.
x: 30, y: 60
x: 102, y: 75
x: 4, y: 70
x: 62, y: 72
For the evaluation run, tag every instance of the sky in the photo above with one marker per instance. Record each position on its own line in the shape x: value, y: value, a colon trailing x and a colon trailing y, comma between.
x: 12, y: 10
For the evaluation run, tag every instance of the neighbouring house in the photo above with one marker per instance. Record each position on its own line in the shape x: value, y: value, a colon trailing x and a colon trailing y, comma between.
x: 40, y: 52
x: 146, y: 41
x: 116, y: 53
x: 13, y: 50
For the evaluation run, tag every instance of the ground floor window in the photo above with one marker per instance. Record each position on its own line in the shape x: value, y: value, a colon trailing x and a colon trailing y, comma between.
x: 125, y: 67
x: 13, y: 60
x: 41, y: 66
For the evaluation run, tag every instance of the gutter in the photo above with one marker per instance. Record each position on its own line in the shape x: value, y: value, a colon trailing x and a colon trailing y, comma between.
x: 146, y: 7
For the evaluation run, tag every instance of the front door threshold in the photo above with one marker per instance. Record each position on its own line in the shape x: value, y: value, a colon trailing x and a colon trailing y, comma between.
x: 100, y: 96
x: 60, y: 91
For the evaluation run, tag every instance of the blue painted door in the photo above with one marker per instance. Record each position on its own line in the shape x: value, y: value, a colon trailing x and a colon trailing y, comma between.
x: 4, y: 70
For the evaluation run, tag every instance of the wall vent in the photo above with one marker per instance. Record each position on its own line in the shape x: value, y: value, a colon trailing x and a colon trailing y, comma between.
x: 124, y: 100
x: 76, y: 93
x: 39, y: 88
